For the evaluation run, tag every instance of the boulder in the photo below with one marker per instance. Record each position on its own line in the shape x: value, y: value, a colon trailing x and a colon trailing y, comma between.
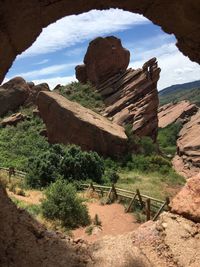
x: 81, y: 73
x: 34, y: 90
x: 132, y: 98
x: 187, y: 160
x: 187, y: 201
x: 170, y: 113
x: 69, y: 123
x: 104, y: 58
x: 13, y: 119
x: 13, y: 94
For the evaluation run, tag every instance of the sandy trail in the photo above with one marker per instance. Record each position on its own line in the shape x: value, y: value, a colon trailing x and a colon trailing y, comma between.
x: 114, y: 221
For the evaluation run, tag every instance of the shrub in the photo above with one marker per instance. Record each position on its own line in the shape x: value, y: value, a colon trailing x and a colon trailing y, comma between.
x: 63, y: 204
x: 71, y: 163
x: 112, y: 176
x: 80, y: 165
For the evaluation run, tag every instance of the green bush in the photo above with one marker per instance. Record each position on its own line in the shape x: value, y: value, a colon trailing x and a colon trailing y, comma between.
x: 63, y: 204
x: 80, y: 165
x: 149, y: 163
x: 112, y: 176
x: 70, y: 162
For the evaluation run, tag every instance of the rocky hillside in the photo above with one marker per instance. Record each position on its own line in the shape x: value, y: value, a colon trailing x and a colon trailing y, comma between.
x: 130, y: 95
x: 186, y: 91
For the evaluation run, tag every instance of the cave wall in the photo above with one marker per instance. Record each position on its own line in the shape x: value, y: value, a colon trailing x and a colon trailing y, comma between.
x: 22, y: 21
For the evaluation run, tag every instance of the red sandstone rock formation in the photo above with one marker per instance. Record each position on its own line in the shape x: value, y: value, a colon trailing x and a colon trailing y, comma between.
x: 187, y: 160
x: 104, y: 58
x: 18, y: 92
x: 170, y: 113
x: 22, y: 22
x: 187, y: 201
x: 13, y: 119
x: 132, y: 98
x: 13, y: 94
x: 68, y: 122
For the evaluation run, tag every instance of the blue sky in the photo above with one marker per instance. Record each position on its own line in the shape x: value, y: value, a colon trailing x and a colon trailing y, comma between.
x: 62, y: 45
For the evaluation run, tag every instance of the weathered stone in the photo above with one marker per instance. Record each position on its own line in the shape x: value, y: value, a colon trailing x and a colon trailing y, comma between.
x: 13, y: 94
x: 22, y: 22
x: 132, y: 98
x: 34, y: 90
x: 68, y: 122
x: 81, y: 73
x: 170, y: 113
x: 187, y: 201
x: 13, y: 119
x: 104, y: 58
x: 187, y: 160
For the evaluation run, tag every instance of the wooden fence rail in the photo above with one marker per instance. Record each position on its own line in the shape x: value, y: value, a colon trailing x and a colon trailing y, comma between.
x: 20, y: 173
x: 146, y: 202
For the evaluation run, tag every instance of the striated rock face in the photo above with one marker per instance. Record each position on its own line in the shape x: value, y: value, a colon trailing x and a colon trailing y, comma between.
x: 187, y: 201
x: 13, y: 94
x: 132, y: 98
x: 170, y: 113
x: 13, y: 120
x: 22, y: 22
x: 187, y: 160
x: 68, y: 122
x: 104, y: 58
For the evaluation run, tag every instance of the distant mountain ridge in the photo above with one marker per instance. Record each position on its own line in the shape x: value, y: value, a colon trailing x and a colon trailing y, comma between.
x: 183, y: 86
x: 186, y: 91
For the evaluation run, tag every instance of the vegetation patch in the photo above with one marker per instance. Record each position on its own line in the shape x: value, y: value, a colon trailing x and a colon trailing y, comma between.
x: 63, y: 204
x: 84, y: 94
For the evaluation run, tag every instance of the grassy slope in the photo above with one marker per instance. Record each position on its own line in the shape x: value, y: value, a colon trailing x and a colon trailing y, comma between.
x: 85, y: 95
x: 193, y: 95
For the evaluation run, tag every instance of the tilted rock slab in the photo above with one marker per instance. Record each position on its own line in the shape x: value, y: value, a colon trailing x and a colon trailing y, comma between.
x: 170, y: 113
x: 187, y: 160
x: 69, y: 123
x: 132, y: 98
x: 187, y: 201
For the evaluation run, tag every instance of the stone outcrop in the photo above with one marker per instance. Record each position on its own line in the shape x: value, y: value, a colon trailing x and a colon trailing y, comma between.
x: 22, y: 22
x: 68, y: 122
x: 187, y: 160
x: 13, y: 94
x: 13, y: 119
x: 104, y: 58
x: 17, y: 92
x: 187, y: 201
x: 132, y: 98
x: 25, y: 242
x: 170, y: 113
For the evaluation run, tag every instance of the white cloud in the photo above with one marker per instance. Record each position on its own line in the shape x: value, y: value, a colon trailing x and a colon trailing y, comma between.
x: 44, y: 61
x: 52, y: 82
x: 47, y: 71
x: 77, y: 28
x: 175, y: 67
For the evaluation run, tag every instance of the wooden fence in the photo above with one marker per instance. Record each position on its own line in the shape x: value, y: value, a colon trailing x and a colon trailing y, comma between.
x: 19, y: 173
x: 146, y: 203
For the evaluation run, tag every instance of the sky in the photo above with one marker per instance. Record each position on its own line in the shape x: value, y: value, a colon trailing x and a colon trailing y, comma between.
x: 62, y: 45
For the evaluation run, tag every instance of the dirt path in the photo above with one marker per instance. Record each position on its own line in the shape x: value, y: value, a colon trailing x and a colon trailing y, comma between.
x: 114, y: 221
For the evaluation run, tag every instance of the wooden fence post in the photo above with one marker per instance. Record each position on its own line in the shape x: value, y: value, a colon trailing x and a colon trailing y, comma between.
x: 139, y: 197
x: 161, y: 209
x: 148, y: 209
x: 114, y: 191
x: 131, y: 203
